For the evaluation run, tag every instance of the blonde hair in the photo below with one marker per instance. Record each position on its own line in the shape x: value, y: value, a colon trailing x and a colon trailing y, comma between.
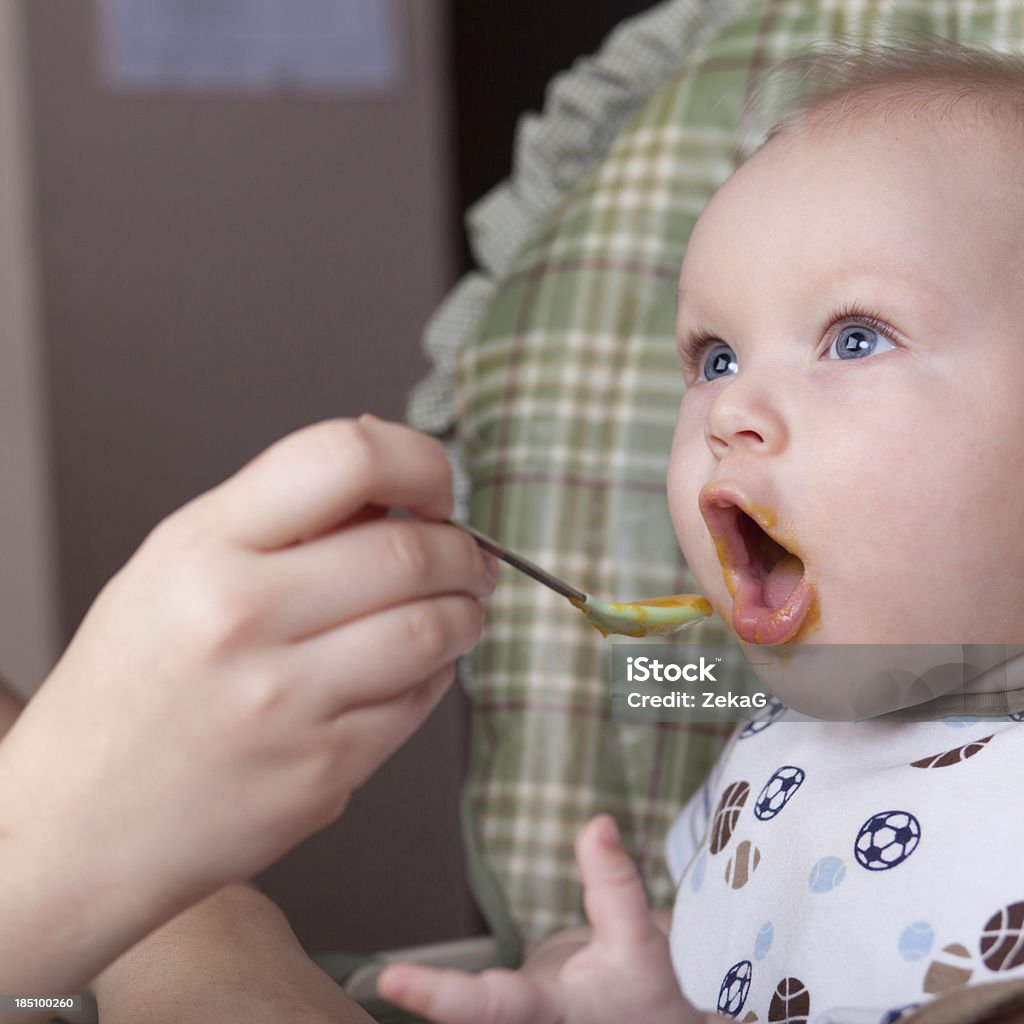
x: 820, y: 90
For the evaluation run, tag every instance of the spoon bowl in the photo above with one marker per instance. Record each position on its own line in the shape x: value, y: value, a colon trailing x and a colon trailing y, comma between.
x: 655, y: 616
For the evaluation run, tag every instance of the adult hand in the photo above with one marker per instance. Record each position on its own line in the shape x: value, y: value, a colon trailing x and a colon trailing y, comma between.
x: 264, y: 650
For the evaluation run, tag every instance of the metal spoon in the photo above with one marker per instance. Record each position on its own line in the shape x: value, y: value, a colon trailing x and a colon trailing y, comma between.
x: 656, y: 616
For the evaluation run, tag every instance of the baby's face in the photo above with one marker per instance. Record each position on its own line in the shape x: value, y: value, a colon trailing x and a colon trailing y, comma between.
x: 883, y: 447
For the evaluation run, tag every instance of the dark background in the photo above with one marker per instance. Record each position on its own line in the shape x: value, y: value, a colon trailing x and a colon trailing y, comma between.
x: 503, y: 57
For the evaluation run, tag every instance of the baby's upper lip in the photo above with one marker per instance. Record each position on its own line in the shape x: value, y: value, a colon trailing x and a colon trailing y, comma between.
x: 720, y: 505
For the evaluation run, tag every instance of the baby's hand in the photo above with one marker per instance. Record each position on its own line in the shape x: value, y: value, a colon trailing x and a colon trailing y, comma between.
x: 264, y: 650
x: 623, y: 974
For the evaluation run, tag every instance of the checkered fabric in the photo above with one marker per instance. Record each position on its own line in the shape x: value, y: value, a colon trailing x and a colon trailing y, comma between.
x: 565, y: 387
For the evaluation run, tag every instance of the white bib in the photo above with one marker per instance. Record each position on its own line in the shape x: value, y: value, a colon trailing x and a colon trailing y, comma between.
x: 847, y: 871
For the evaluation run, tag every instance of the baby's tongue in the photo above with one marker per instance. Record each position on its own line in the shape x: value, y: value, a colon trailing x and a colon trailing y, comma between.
x: 782, y: 581
x: 772, y: 610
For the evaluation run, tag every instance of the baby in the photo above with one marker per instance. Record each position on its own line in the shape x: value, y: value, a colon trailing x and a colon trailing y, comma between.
x: 835, y: 870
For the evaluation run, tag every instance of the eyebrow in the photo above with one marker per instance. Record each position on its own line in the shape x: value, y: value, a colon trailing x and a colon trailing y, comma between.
x: 926, y: 295
x: 899, y: 283
x: 706, y: 298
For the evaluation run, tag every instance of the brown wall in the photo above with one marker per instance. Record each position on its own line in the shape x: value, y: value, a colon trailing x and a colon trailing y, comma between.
x: 215, y: 272
x: 28, y: 586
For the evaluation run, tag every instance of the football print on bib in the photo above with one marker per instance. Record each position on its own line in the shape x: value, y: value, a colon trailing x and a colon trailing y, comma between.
x: 729, y: 807
x: 950, y: 968
x: 1002, y: 939
x: 950, y: 757
x: 791, y: 1003
x: 742, y: 864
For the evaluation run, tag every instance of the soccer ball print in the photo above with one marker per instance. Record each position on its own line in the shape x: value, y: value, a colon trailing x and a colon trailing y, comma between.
x: 773, y: 710
x: 886, y: 840
x: 778, y: 791
x: 735, y: 988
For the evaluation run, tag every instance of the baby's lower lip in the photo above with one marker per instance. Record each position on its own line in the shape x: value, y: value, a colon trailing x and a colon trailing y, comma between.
x: 757, y: 622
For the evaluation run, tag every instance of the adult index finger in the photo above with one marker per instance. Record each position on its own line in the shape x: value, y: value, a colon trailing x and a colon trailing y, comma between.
x: 317, y: 478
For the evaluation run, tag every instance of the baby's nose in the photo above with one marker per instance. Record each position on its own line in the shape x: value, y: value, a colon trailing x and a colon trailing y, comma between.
x: 745, y: 415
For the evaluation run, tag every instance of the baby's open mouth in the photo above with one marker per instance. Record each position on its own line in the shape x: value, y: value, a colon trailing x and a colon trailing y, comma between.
x: 772, y: 595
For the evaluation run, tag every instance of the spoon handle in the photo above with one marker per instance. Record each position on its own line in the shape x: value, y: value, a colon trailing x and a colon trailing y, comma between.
x: 520, y: 563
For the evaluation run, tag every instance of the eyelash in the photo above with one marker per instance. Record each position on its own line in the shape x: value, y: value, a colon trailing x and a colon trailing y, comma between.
x: 696, y: 343
x: 844, y: 316
x: 692, y: 351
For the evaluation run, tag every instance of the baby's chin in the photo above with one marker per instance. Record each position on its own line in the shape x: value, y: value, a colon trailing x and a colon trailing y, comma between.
x: 848, y: 678
x: 853, y: 682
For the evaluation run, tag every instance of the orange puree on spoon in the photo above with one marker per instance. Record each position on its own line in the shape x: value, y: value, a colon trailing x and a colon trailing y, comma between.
x: 655, y: 616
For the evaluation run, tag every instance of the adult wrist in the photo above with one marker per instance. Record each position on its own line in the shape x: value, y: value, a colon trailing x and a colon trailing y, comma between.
x: 69, y: 904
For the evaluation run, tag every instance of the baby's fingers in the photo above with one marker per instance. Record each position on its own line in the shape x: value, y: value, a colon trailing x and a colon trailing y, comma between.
x: 453, y: 997
x: 613, y: 893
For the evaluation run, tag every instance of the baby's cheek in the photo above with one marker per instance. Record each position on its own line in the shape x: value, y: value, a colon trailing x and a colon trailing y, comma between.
x: 691, y: 466
x: 692, y: 532
x: 683, y: 490
x: 687, y: 459
x: 703, y: 562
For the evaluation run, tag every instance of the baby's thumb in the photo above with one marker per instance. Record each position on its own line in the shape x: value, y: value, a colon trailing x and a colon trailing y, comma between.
x: 613, y: 894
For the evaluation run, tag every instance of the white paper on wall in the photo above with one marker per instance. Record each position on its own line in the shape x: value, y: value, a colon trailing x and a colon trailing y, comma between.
x: 255, y: 46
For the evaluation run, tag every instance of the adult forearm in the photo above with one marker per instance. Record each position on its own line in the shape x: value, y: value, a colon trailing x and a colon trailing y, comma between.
x: 72, y: 898
x: 61, y: 922
x: 37, y: 919
x: 56, y: 926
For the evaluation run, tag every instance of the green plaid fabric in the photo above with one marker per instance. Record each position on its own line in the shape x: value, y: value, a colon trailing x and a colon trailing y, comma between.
x: 565, y: 391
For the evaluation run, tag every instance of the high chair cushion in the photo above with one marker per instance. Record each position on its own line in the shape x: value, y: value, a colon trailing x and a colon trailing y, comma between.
x: 557, y: 383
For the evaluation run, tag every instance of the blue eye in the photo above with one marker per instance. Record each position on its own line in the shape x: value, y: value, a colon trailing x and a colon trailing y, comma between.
x: 720, y: 362
x: 858, y: 342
